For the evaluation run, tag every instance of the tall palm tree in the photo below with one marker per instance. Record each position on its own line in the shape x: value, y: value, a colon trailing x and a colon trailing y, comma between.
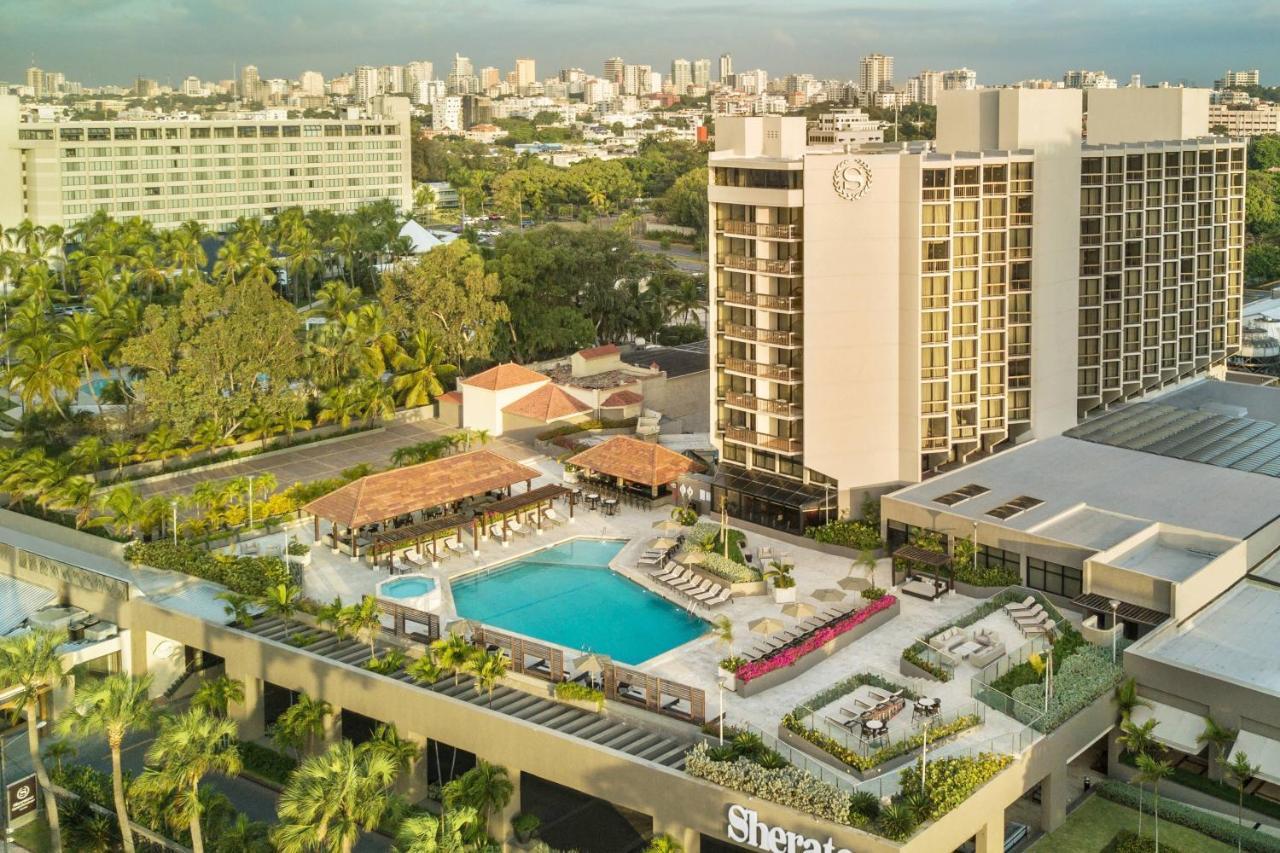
x: 188, y: 748
x: 487, y: 669
x: 215, y: 694
x: 388, y: 741
x: 1240, y: 771
x: 31, y: 664
x: 114, y: 707
x: 1217, y: 738
x: 1138, y: 740
x: 1127, y: 698
x: 124, y: 503
x: 304, y: 257
x: 338, y: 405
x: 77, y: 496
x: 119, y: 454
x: 332, y: 797
x: 81, y: 344
x: 374, y: 400
x: 300, y: 724
x: 346, y: 242
x: 38, y: 375
x: 281, y: 600
x: 485, y: 788
x: 365, y: 621
x: 88, y: 453
x: 453, y: 654
x: 1153, y: 770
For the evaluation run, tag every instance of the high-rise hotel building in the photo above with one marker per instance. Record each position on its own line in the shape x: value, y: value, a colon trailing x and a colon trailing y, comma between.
x: 885, y: 312
x: 212, y: 171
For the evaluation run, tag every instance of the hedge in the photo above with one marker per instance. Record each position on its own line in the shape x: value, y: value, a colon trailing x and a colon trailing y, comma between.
x: 245, y: 575
x: 1077, y: 682
x: 787, y: 785
x: 848, y: 533
x: 861, y: 762
x: 1127, y: 841
x: 584, y: 426
x: 1216, y: 789
x: 580, y: 693
x: 1223, y: 829
x: 266, y: 763
x: 951, y: 781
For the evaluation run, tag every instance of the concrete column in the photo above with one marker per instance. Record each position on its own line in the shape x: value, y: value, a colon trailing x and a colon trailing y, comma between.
x: 1053, y: 800
x: 412, y: 784
x: 332, y: 729
x: 690, y: 840
x: 249, y: 715
x: 990, y: 839
x: 500, y: 821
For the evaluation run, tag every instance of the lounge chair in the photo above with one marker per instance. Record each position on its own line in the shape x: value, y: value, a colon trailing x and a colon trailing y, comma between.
x: 456, y: 546
x: 1036, y: 614
x: 710, y: 593
x: 699, y: 589
x: 1026, y: 604
x: 1039, y: 629
x: 497, y: 532
x: 669, y: 572
x: 517, y: 528
x: 410, y: 558
x: 647, y: 561
x: 552, y: 516
x: 689, y: 585
x: 683, y: 576
x: 725, y: 594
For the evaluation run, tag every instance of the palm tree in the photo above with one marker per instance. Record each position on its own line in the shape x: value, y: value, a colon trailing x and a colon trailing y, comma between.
x: 125, y: 505
x: 346, y: 242
x: 1127, y: 698
x: 1217, y: 738
x: 426, y: 833
x: 487, y: 669
x: 304, y: 256
x: 300, y: 724
x: 119, y: 454
x: 1138, y: 740
x: 485, y: 788
x: 188, y: 748
x: 425, y: 670
x: 38, y: 375
x: 59, y: 750
x: 215, y: 694
x: 31, y: 664
x: 281, y: 600
x: 452, y: 654
x: 388, y: 741
x: 242, y: 609
x: 723, y: 629
x: 77, y: 496
x: 114, y: 706
x: 88, y: 453
x: 338, y: 404
x: 1240, y: 771
x: 81, y: 343
x: 332, y: 797
x: 418, y: 368
x: 365, y: 621
x: 1152, y: 770
x: 374, y: 400
x: 663, y: 844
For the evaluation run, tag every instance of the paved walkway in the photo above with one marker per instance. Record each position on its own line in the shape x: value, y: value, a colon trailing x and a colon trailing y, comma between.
x: 317, y: 461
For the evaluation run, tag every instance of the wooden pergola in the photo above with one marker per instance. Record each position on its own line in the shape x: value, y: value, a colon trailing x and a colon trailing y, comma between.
x: 539, y: 500
x: 934, y: 562
x: 414, y: 535
x: 373, y: 504
x: 632, y: 462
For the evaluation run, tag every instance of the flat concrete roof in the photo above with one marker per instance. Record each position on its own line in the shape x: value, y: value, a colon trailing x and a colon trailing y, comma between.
x: 1159, y: 559
x: 1259, y: 402
x: 1232, y: 638
x: 1068, y: 474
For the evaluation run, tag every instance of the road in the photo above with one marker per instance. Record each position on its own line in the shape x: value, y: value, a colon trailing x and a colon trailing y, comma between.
x: 685, y: 258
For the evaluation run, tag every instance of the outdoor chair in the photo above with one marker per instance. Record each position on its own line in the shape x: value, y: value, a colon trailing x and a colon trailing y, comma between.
x: 498, y: 533
x: 517, y: 528
x: 725, y: 594
x: 699, y: 589
x: 692, y: 583
x: 552, y: 516
x: 418, y: 561
x: 1039, y: 629
x: 666, y: 573
x: 1036, y: 614
x: 682, y: 576
x: 456, y: 546
x: 710, y: 592
x: 1021, y: 607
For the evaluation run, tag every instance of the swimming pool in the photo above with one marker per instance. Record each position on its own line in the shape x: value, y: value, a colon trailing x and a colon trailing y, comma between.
x: 408, y: 587
x: 567, y: 595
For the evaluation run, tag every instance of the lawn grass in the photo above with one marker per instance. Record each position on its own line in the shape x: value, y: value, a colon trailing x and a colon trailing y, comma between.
x: 1089, y: 828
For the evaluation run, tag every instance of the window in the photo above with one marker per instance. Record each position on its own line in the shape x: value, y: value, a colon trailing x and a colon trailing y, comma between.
x: 1054, y: 578
x: 961, y: 494
x: 997, y: 558
x: 1014, y: 507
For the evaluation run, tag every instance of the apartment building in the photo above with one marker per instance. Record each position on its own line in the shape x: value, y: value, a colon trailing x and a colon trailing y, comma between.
x: 1250, y: 120
x: 845, y: 126
x: 883, y: 313
x: 1252, y: 77
x: 212, y: 171
x: 875, y: 73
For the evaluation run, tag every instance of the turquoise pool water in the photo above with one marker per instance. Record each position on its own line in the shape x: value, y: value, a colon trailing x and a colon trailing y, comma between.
x: 568, y: 596
x: 409, y: 587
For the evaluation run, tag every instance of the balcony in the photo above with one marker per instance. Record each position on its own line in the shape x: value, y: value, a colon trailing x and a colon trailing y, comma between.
x: 768, y: 266
x: 742, y: 435
x: 772, y: 372
x: 741, y: 228
x: 771, y: 337
x: 767, y: 301
x: 750, y: 402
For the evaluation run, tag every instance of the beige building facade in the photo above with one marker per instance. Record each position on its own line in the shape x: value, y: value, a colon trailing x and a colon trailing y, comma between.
x: 211, y: 171
x: 883, y: 313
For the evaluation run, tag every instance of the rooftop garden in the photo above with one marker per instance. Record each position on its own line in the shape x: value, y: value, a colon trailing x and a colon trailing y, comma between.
x: 788, y: 655
x: 859, y: 534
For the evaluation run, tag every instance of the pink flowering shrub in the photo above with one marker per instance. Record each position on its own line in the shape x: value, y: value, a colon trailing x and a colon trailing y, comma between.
x: 816, y: 640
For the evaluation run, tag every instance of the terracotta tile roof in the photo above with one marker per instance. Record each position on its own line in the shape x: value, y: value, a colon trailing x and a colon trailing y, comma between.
x: 600, y: 351
x: 619, y: 399
x: 503, y: 376
x: 454, y: 397
x: 378, y: 497
x: 547, y: 404
x: 634, y: 460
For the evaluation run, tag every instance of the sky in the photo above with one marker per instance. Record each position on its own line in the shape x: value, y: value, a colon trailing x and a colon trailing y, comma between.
x: 112, y: 41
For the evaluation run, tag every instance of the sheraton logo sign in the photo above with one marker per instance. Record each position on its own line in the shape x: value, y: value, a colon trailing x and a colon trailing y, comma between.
x: 745, y: 827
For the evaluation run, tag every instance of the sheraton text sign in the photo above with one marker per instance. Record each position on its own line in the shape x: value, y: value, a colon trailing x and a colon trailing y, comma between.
x: 745, y: 828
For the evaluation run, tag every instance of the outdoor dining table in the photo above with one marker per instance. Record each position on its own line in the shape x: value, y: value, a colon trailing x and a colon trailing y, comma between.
x: 875, y: 728
x: 592, y: 499
x: 610, y: 505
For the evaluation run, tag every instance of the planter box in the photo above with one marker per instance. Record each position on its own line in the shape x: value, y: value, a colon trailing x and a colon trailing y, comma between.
x: 795, y: 741
x: 817, y: 656
x: 730, y: 680
x: 907, y: 668
x: 784, y: 595
x: 978, y: 591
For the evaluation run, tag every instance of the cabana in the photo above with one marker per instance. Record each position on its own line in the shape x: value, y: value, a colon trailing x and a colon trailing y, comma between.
x: 910, y: 559
x: 538, y: 501
x: 391, y: 499
x: 634, y: 466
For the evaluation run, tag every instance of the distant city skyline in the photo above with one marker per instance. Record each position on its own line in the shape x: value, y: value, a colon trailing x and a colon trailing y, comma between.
x: 103, y: 42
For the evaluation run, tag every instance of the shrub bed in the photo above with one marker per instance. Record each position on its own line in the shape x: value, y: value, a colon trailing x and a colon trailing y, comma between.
x: 1127, y: 841
x: 816, y: 640
x: 1215, y: 788
x: 1224, y: 830
x: 987, y: 576
x: 266, y: 763
x: 580, y: 693
x: 861, y: 762
x: 1079, y: 680
x: 584, y: 426
x: 723, y: 567
x: 245, y: 575
x: 951, y: 781
x: 848, y: 533
x: 786, y: 785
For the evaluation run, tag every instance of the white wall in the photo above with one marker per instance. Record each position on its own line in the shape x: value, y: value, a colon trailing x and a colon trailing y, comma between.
x: 1139, y: 115
x: 482, y: 408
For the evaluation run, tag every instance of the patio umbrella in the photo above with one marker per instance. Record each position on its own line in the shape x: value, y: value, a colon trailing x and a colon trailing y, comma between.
x: 592, y: 662
x: 691, y: 558
x: 766, y: 625
x: 662, y: 543
x: 830, y: 594
x: 461, y: 627
x: 668, y: 526
x: 853, y: 584
x: 799, y: 609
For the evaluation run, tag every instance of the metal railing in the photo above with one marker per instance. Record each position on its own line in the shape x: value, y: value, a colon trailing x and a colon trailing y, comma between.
x: 759, y: 229
x: 769, y: 266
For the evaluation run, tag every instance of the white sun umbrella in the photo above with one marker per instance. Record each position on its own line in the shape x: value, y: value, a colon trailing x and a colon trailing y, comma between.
x: 766, y: 625
x: 592, y: 662
x: 662, y: 543
x: 799, y: 610
x: 829, y: 594
x: 853, y: 584
x: 668, y: 526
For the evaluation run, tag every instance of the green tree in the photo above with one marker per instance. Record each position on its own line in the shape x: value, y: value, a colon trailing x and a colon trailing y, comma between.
x: 365, y: 621
x: 426, y: 833
x: 1264, y: 152
x: 1217, y: 738
x: 31, y: 665
x: 1240, y: 772
x: 114, y: 707
x: 331, y: 797
x: 663, y: 844
x: 486, y: 788
x: 300, y: 724
x: 685, y: 202
x: 188, y: 748
x: 487, y: 670
x: 449, y: 293
x: 1154, y: 771
x: 418, y: 370
x: 214, y: 695
x: 453, y: 654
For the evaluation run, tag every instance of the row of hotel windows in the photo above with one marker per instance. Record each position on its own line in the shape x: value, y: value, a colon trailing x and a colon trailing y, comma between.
x: 73, y: 153
x: 71, y: 211
x: 222, y: 219
x: 1135, y: 166
x: 1043, y: 575
x: 762, y: 460
x: 243, y: 131
x: 206, y: 189
x: 226, y: 174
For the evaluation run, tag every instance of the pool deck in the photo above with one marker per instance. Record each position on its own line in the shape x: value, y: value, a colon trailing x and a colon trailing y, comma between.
x: 696, y: 662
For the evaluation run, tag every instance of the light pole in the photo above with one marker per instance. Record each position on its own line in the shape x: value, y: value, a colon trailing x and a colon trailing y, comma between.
x: 251, y: 502
x: 174, y: 504
x: 975, y: 548
x: 720, y: 707
x: 1115, y: 605
x: 924, y: 756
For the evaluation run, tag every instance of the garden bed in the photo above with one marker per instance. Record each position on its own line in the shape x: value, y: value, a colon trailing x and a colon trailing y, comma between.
x: 787, y: 663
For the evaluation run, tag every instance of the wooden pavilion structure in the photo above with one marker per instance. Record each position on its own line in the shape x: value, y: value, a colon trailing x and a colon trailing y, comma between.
x: 635, y: 465
x: 380, y: 503
x: 537, y: 500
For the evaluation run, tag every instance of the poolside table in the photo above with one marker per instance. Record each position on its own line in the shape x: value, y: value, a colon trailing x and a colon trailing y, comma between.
x: 610, y: 505
x: 592, y: 499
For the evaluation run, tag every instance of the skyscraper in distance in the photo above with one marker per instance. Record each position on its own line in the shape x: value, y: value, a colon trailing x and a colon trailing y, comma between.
x: 701, y: 72
x: 681, y: 75
x: 726, y: 66
x: 613, y: 70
